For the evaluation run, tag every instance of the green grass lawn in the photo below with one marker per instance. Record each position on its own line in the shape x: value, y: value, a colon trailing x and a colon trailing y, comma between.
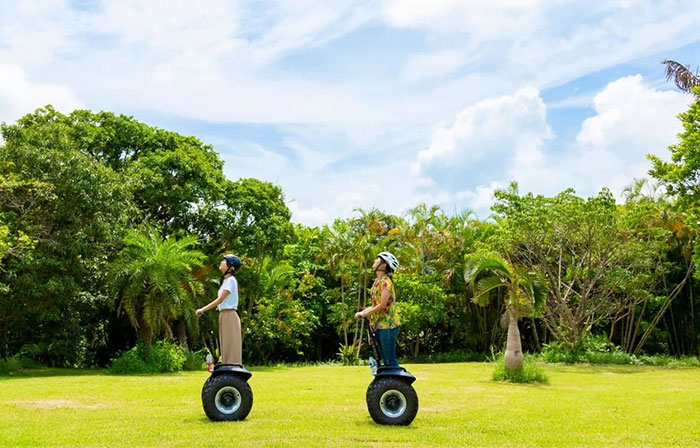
x: 596, y: 406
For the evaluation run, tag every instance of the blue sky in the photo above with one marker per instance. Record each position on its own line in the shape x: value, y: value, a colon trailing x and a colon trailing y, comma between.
x: 372, y: 103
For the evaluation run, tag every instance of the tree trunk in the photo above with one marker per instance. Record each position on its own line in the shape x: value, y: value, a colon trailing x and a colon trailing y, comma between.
x: 182, y: 334
x: 514, y: 350
x: 536, y: 336
x: 359, y: 305
x: 692, y: 318
x: 345, y: 316
x: 662, y: 310
x: 364, y: 305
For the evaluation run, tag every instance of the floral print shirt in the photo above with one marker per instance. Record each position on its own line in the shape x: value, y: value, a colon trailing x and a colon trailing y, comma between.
x: 389, y: 317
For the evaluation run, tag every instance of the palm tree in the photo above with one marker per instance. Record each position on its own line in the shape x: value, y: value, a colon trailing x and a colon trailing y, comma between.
x: 337, y: 251
x: 683, y: 76
x: 524, y: 291
x: 156, y: 283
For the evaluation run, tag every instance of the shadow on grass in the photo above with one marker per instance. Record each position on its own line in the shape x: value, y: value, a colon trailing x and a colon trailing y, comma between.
x: 52, y: 371
x: 49, y: 372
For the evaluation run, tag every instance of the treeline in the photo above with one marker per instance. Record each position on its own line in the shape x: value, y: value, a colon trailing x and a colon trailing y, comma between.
x: 110, y: 231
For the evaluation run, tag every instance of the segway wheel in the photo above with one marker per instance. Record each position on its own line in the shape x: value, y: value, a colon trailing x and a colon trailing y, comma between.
x: 226, y: 398
x: 392, y: 401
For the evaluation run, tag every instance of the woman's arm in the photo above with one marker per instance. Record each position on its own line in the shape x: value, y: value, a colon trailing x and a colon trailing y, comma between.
x: 214, y: 303
x: 383, y: 302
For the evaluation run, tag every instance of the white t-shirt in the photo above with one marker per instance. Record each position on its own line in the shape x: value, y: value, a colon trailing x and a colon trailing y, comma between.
x: 231, y: 301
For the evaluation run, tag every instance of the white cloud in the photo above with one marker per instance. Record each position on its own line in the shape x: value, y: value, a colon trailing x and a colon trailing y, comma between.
x: 19, y: 95
x: 631, y: 120
x: 32, y: 33
x: 497, y: 129
x: 335, y: 99
x: 480, y: 198
x: 495, y: 18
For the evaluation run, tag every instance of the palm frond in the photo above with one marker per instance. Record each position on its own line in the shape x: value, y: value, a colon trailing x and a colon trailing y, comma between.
x: 484, y: 286
x: 475, y: 265
x: 682, y: 76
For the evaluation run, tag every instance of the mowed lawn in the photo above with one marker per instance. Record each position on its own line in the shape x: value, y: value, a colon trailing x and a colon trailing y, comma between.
x: 597, y: 406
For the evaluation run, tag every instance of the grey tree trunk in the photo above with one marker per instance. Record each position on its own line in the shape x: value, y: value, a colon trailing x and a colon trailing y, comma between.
x: 514, y: 349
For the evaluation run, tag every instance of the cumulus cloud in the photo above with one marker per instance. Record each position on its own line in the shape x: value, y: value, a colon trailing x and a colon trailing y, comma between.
x: 382, y: 78
x: 631, y: 120
x: 485, y: 139
x: 19, y: 95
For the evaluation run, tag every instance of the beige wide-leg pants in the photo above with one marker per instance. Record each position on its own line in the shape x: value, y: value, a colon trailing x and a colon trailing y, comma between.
x: 230, y: 337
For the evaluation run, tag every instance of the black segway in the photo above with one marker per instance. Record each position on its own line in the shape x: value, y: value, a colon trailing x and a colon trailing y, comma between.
x: 391, y: 399
x: 226, y: 395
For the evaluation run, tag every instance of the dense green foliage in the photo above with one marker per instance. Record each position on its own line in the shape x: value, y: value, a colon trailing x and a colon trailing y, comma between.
x: 111, y: 231
x: 161, y: 357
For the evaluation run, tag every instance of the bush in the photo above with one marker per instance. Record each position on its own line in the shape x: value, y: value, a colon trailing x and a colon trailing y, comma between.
x: 348, y: 354
x: 162, y: 357
x: 18, y: 362
x: 530, y: 372
x: 10, y: 365
x: 194, y: 361
x: 598, y: 350
x: 669, y: 361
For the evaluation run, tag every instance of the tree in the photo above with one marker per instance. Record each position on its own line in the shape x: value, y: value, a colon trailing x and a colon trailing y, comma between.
x: 155, y: 281
x: 73, y: 209
x: 170, y: 177
x: 681, y: 176
x: 656, y: 232
x: 524, y: 294
x: 336, y: 252
x: 280, y: 323
x: 585, y: 251
x: 422, y: 309
x: 23, y: 223
x: 250, y: 219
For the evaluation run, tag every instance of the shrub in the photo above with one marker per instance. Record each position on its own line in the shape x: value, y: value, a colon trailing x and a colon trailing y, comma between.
x: 598, y: 350
x: 10, y: 365
x: 590, y: 348
x: 530, y: 372
x: 162, y: 357
x: 349, y: 354
x: 194, y: 361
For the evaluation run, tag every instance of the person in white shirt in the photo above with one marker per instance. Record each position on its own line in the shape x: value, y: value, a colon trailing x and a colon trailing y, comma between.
x: 230, y: 343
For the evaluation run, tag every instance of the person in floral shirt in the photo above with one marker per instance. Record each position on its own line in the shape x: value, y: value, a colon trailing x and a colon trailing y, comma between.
x: 383, y: 315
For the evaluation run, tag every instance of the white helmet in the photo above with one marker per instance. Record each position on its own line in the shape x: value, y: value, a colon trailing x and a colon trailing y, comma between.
x: 390, y: 260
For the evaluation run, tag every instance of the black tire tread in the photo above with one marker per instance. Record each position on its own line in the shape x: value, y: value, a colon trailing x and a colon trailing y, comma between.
x: 374, y: 394
x: 212, y: 386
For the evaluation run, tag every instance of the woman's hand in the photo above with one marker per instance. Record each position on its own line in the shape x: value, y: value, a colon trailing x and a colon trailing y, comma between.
x: 359, y: 314
x: 199, y: 312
